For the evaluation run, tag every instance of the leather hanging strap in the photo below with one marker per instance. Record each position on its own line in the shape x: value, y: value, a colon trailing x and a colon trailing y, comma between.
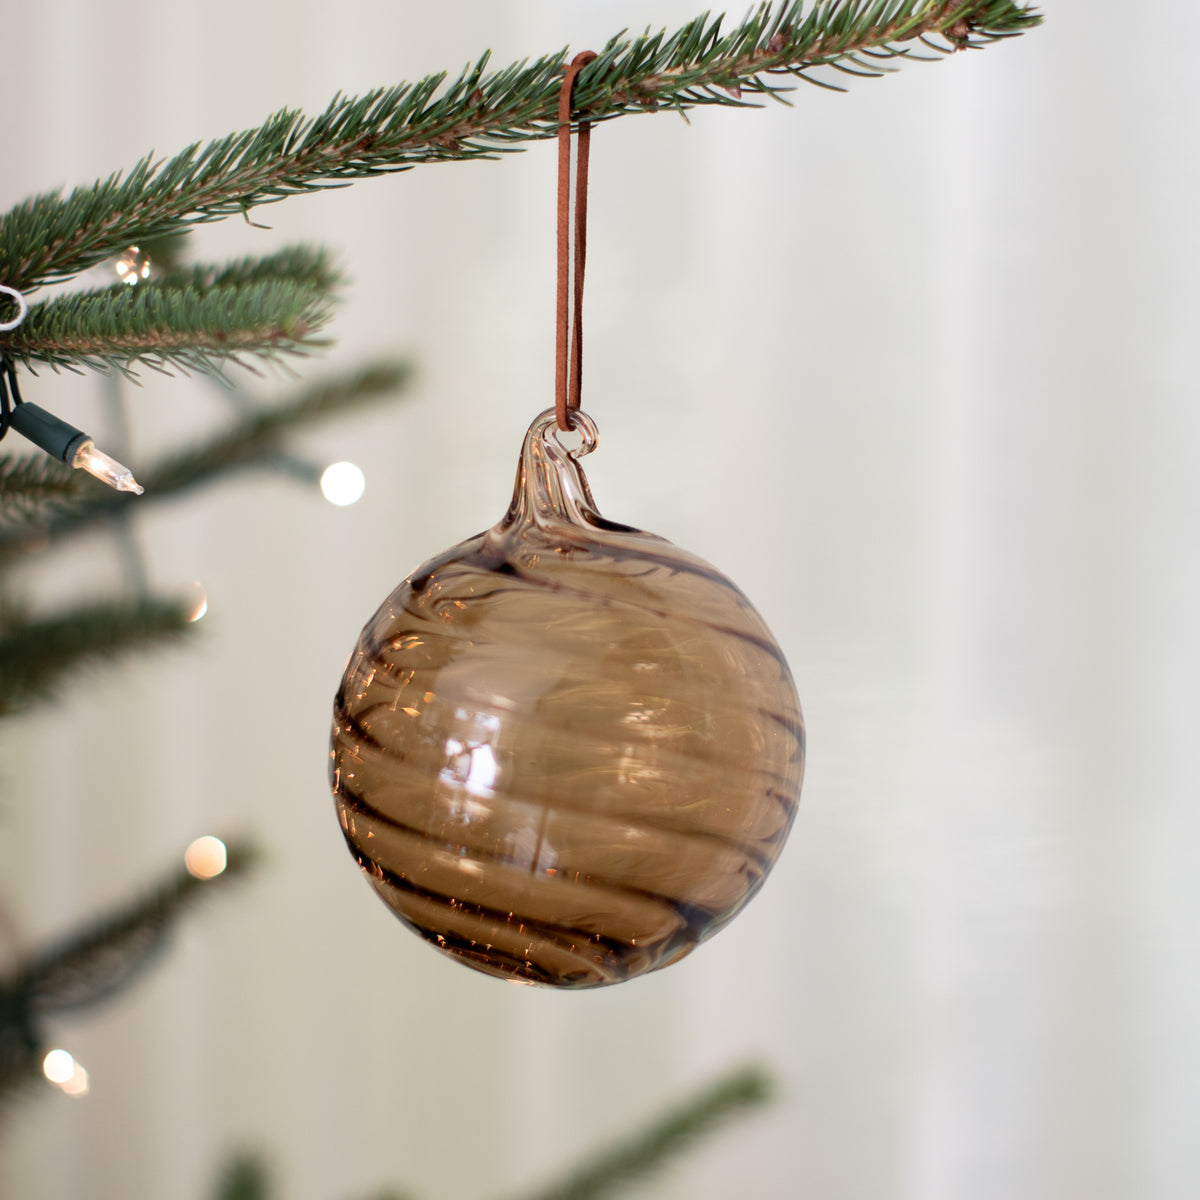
x: 569, y: 359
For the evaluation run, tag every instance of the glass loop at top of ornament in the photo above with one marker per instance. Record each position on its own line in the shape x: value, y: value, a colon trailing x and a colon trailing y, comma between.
x: 546, y: 425
x: 551, y: 487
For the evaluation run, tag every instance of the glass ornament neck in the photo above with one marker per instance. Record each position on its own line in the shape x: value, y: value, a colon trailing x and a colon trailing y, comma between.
x: 551, y: 487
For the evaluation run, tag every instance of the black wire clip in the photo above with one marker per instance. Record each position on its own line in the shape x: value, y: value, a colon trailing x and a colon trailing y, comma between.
x: 10, y: 393
x: 43, y: 429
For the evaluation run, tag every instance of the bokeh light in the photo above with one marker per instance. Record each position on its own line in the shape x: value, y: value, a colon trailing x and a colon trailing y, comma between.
x: 343, y: 483
x: 61, y: 1069
x: 205, y: 857
x: 198, y: 602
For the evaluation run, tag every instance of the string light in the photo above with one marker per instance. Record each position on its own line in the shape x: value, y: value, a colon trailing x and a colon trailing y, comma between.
x: 61, y: 1069
x: 343, y: 483
x: 206, y: 858
x: 95, y: 462
x: 55, y: 436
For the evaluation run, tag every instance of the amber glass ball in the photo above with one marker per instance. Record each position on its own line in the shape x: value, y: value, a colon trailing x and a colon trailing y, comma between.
x: 566, y: 751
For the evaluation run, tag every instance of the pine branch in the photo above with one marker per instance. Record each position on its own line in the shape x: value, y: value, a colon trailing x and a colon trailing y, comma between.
x: 95, y: 963
x: 37, y: 656
x: 258, y: 438
x: 52, y: 237
x: 197, y: 317
x: 611, y: 1170
x: 90, y: 966
x: 189, y: 328
x: 29, y: 482
x: 309, y: 266
x: 244, y: 1177
x: 251, y: 443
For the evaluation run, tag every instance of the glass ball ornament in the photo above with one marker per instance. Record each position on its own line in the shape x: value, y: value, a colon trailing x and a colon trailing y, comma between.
x: 565, y: 751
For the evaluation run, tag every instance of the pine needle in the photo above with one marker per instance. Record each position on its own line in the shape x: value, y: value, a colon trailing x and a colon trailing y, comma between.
x: 100, y: 960
x: 29, y: 482
x: 611, y: 1171
x: 39, y: 655
x: 189, y: 328
x: 310, y: 266
x: 244, y: 1177
x: 253, y: 442
x: 96, y: 962
x: 480, y: 113
x: 258, y: 437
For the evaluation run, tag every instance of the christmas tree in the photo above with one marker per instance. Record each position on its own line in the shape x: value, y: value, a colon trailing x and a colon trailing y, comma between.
x: 159, y: 309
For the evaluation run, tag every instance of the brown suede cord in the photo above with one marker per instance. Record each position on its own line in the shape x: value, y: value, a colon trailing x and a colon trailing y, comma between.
x: 569, y: 381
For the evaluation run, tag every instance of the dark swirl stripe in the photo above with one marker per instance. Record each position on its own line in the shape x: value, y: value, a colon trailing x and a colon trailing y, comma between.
x: 657, y: 819
x: 510, y: 573
x: 690, y: 914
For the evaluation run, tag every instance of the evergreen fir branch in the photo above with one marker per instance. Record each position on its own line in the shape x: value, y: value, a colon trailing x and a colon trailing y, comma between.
x: 93, y: 964
x: 309, y: 266
x: 244, y: 1177
x: 21, y: 1052
x: 39, y: 655
x: 610, y: 1171
x: 90, y: 966
x: 189, y: 328
x: 53, y: 237
x: 258, y: 438
x: 29, y: 482
x: 253, y: 442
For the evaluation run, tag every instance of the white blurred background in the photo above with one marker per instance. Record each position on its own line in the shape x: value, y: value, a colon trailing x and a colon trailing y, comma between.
x: 914, y: 365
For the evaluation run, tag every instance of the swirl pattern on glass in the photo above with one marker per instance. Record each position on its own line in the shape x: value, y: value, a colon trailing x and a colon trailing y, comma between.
x: 566, y: 751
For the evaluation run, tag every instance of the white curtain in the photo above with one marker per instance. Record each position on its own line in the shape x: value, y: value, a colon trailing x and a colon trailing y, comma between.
x: 914, y: 366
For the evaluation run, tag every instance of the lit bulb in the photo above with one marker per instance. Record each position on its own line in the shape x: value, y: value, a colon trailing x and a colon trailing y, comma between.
x: 205, y: 858
x: 105, y: 468
x: 61, y: 1069
x: 342, y: 483
x: 70, y: 445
